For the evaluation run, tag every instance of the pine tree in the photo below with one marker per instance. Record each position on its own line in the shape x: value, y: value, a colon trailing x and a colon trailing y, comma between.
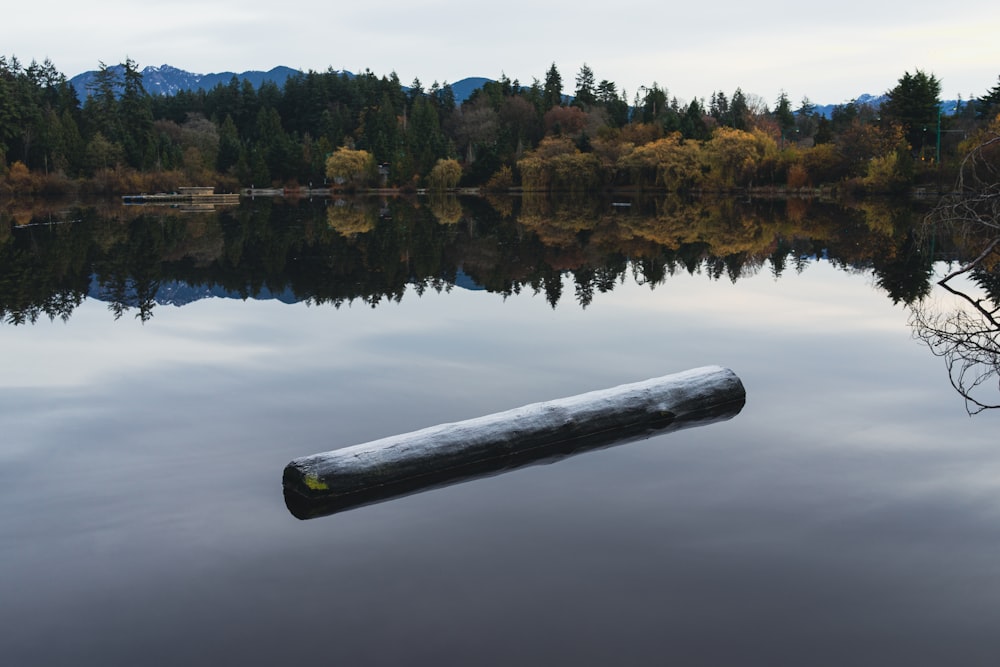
x: 586, y: 94
x: 914, y: 104
x: 988, y: 105
x: 552, y: 90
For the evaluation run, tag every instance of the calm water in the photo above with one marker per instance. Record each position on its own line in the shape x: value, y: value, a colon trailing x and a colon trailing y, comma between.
x: 848, y: 514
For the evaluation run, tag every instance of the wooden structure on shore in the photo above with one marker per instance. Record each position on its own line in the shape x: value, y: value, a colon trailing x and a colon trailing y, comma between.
x: 193, y: 196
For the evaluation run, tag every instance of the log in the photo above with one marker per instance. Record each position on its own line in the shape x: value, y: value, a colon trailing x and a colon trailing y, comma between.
x: 329, y: 482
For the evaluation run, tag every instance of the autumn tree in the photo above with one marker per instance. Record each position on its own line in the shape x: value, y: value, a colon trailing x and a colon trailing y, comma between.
x: 444, y: 175
x: 861, y: 142
x: 476, y: 129
x: 733, y: 156
x: 568, y: 121
x: 670, y: 163
x: 350, y: 167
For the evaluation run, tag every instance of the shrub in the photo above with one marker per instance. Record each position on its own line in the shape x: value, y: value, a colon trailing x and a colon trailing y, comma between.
x: 798, y: 177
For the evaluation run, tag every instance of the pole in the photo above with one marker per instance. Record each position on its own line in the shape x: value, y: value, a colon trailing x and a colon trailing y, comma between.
x: 938, y: 153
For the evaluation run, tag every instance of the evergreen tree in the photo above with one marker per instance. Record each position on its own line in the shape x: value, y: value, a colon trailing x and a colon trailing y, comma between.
x: 719, y: 109
x: 229, y: 146
x: 914, y: 105
x: 692, y: 123
x: 552, y: 91
x: 783, y: 114
x: 740, y: 111
x: 988, y: 105
x: 586, y: 93
x: 614, y: 104
x: 653, y: 105
x: 101, y: 107
x: 424, y: 141
x: 380, y: 129
x: 136, y: 118
x: 806, y: 119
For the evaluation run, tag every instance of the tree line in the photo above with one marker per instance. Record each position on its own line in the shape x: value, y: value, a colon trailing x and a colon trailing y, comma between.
x: 359, y: 131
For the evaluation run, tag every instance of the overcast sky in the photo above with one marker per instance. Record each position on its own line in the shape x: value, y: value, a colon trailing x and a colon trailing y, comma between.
x: 830, y: 52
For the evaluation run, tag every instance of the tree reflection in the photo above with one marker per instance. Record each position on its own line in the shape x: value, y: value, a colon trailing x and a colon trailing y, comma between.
x: 967, y: 337
x: 376, y: 250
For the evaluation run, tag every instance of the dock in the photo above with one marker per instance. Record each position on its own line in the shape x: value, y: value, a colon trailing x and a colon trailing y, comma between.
x: 200, y: 196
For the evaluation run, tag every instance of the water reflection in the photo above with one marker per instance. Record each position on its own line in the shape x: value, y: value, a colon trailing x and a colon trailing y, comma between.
x: 373, y: 250
x: 966, y: 334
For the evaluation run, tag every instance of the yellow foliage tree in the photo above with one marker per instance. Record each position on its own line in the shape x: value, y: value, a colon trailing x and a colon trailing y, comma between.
x: 823, y: 163
x: 350, y: 167
x: 19, y: 180
x: 575, y: 172
x: 733, y: 156
x: 670, y: 162
x: 556, y: 164
x: 444, y: 175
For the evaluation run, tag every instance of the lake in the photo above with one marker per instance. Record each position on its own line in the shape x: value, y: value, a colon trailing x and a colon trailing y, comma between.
x: 161, y: 367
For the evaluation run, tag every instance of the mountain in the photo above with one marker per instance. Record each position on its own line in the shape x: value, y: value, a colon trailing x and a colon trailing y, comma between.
x: 826, y: 110
x: 167, y: 80
x: 465, y: 87
x: 948, y: 107
x: 179, y: 293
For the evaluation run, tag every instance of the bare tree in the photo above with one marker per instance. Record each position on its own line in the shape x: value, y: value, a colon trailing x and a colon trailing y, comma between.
x: 968, y: 338
x: 972, y: 210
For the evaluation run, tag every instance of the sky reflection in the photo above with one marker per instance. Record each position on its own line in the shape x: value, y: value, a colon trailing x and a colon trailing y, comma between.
x: 846, y: 516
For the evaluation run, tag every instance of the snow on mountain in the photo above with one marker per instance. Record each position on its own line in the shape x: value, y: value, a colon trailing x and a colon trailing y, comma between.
x: 168, y: 80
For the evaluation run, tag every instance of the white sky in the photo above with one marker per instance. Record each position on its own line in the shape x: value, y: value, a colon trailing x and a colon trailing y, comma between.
x: 830, y: 52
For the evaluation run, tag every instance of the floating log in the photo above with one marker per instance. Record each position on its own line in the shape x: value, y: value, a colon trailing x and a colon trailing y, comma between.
x: 441, y: 455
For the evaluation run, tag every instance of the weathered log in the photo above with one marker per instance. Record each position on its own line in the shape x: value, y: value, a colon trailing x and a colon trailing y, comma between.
x: 332, y: 481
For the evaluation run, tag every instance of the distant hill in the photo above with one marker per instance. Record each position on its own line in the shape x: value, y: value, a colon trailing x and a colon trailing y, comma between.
x: 826, y: 110
x: 948, y: 107
x: 465, y: 87
x: 167, y: 80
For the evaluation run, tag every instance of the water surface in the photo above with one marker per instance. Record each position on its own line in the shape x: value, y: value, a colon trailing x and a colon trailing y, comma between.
x: 846, y: 516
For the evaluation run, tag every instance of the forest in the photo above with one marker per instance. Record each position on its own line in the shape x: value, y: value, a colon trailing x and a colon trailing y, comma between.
x: 358, y: 132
